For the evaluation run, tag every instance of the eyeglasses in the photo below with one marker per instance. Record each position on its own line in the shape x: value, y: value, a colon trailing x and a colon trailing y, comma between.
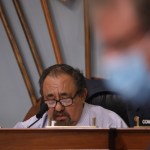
x: 64, y: 102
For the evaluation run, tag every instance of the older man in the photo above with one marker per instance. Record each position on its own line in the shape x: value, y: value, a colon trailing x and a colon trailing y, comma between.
x: 63, y: 89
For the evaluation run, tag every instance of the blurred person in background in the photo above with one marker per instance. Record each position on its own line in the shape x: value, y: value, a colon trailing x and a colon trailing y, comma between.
x: 123, y: 26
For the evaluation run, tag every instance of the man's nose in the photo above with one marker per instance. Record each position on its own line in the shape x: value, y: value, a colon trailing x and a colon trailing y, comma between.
x: 59, y: 107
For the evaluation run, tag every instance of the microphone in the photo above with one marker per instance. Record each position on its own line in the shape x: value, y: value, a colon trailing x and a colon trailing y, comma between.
x: 43, y: 109
x: 40, y: 114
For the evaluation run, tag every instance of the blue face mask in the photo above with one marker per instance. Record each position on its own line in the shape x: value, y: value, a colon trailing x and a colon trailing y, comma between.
x: 129, y: 77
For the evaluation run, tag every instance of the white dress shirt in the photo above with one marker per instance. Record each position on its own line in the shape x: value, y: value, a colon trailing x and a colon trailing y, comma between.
x: 104, y: 119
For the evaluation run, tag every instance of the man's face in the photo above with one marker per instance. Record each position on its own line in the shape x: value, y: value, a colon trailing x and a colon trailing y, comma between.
x: 63, y: 87
x: 115, y: 20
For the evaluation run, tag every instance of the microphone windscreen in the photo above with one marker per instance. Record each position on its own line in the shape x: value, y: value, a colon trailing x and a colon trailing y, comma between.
x: 43, y: 109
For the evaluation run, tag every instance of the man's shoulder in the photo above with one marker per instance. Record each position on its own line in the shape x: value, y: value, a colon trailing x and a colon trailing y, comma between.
x: 28, y: 122
x: 105, y: 116
x: 98, y: 109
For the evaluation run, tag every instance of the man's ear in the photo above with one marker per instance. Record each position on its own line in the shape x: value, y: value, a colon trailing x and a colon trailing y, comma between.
x: 84, y: 94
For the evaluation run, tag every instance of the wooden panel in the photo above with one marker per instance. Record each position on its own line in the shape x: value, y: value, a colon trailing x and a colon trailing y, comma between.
x: 18, y: 139
x: 17, y: 54
x: 29, y: 37
x: 51, y: 30
x: 133, y: 138
x: 54, y: 139
x: 87, y: 40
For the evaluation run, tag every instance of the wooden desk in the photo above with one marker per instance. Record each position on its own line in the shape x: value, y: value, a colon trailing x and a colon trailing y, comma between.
x: 132, y: 139
x: 44, y: 139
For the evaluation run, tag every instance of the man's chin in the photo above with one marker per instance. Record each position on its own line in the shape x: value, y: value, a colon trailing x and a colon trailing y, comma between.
x: 63, y: 121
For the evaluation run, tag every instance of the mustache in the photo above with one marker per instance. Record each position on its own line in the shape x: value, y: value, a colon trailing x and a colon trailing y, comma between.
x: 66, y: 122
x: 60, y: 113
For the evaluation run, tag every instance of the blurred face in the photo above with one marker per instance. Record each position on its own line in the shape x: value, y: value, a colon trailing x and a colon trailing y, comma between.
x: 62, y: 88
x: 116, y: 21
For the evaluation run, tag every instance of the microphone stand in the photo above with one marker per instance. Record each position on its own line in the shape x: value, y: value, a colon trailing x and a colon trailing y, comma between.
x: 33, y: 123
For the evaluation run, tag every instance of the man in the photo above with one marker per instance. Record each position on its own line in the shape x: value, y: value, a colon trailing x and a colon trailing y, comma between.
x: 124, y: 27
x: 63, y: 89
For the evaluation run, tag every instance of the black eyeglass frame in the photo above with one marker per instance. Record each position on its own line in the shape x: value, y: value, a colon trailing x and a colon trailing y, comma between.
x: 59, y: 101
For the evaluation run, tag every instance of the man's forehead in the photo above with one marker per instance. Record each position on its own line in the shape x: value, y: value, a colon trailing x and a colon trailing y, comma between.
x: 59, y: 82
x: 58, y: 79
